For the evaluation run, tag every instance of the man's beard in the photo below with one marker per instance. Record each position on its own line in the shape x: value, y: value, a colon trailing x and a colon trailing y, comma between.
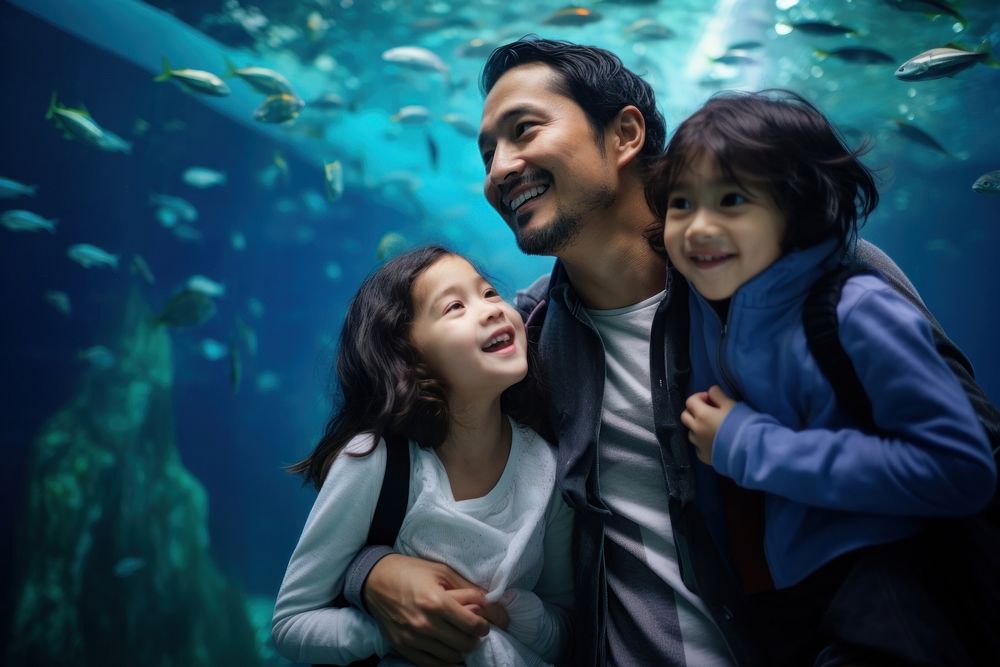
x: 558, y: 234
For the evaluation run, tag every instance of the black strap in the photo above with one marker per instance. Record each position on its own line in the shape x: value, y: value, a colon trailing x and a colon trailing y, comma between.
x: 391, y: 506
x: 819, y: 316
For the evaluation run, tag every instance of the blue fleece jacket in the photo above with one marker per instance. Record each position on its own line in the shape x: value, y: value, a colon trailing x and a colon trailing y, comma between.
x: 831, y: 488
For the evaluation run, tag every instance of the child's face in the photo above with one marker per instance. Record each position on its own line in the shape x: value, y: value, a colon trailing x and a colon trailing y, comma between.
x: 471, y: 338
x: 718, y: 234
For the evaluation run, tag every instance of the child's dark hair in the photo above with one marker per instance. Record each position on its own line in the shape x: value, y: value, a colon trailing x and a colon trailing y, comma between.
x: 385, y: 388
x: 779, y: 138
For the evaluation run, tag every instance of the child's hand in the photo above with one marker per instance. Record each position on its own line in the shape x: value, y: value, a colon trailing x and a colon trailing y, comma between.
x: 494, y: 612
x: 703, y: 416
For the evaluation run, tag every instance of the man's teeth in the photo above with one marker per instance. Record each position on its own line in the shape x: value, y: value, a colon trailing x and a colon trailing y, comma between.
x: 526, y: 195
x: 497, y: 340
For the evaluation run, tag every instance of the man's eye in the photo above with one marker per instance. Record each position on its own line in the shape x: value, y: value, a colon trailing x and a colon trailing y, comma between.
x: 488, y: 159
x: 523, y: 127
x: 733, y: 199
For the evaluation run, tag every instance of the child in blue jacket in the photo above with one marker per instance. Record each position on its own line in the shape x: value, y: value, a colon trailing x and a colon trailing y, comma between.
x: 760, y: 198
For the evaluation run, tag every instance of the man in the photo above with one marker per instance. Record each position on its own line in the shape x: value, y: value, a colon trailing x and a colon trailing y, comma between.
x: 567, y: 138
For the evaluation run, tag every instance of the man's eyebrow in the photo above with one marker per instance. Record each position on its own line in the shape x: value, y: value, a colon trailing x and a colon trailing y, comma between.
x: 506, y: 117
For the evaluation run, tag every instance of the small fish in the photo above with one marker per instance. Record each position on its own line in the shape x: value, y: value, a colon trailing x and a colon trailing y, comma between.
x: 332, y: 102
x: 194, y: 80
x: 97, y: 356
x: 129, y: 565
x: 212, y: 349
x: 235, y: 366
x: 19, y: 220
x: 181, y: 207
x: 649, y: 29
x: 10, y: 189
x: 333, y: 178
x: 247, y: 335
x: 203, y: 177
x: 432, y: 150
x: 461, y: 125
x: 167, y: 217
x: 390, y: 245
x: 476, y: 48
x: 59, y: 300
x: 74, y: 123
x: 820, y: 28
x: 988, y: 183
x: 417, y: 58
x: 112, y: 143
x: 916, y: 135
x: 412, y: 114
x: 748, y: 45
x: 186, y: 308
x: 932, y: 8
x: 280, y: 108
x: 735, y: 58
x: 261, y: 79
x: 860, y: 55
x: 573, y: 16
x: 89, y: 256
x: 207, y: 286
x: 944, y: 61
x: 139, y: 267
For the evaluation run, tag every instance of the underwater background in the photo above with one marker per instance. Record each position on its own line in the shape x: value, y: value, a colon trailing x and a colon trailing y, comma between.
x: 176, y: 263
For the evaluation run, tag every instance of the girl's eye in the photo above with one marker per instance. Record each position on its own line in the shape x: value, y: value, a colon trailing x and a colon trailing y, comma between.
x: 678, y: 202
x: 491, y: 293
x: 733, y: 199
x: 454, y: 305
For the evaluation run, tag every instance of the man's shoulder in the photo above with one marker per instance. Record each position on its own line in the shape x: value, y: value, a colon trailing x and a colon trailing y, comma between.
x: 527, y: 298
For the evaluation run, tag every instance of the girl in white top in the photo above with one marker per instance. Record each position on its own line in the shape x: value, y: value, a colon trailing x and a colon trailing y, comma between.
x: 427, y: 349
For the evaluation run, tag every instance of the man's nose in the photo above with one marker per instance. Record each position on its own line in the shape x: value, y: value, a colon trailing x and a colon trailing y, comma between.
x: 507, y: 164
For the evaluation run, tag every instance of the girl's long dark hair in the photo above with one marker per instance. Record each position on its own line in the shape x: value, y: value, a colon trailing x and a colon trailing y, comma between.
x: 385, y: 388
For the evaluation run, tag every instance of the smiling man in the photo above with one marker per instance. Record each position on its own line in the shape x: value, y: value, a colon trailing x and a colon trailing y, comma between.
x: 568, y: 137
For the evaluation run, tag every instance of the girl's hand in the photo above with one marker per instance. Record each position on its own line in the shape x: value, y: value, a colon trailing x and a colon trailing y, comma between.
x: 703, y: 416
x: 494, y: 612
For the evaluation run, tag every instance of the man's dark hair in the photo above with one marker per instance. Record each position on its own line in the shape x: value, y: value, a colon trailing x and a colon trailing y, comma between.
x: 778, y: 138
x: 592, y: 77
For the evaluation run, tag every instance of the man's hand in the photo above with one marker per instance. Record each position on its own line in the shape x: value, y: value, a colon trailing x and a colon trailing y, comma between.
x: 703, y: 416
x: 425, y: 609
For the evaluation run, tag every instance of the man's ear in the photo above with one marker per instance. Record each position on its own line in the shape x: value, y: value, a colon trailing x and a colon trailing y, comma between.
x: 629, y: 135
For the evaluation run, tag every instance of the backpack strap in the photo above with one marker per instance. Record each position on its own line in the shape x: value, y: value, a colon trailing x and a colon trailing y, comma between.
x: 391, y: 506
x: 819, y: 317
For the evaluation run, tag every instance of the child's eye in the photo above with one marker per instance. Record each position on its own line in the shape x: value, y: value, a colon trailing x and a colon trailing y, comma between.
x: 733, y: 199
x: 491, y: 293
x: 678, y: 202
x: 454, y: 305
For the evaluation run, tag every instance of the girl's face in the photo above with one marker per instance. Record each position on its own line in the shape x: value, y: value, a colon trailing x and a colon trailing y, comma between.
x: 471, y: 338
x: 720, y: 235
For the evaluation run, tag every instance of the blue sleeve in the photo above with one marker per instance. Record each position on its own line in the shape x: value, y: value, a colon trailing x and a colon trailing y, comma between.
x: 936, y: 459
x: 358, y: 571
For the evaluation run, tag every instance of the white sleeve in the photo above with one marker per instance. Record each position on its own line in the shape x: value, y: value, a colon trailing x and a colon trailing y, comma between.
x: 541, y: 618
x: 305, y: 627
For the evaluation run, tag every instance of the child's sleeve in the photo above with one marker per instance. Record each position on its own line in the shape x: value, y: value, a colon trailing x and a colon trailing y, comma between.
x: 935, y: 459
x: 305, y: 627
x: 540, y: 619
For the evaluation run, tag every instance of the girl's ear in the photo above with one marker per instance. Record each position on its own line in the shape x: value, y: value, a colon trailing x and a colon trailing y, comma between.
x: 628, y: 135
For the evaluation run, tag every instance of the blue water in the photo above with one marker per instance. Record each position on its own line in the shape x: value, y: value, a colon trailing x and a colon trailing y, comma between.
x: 938, y: 230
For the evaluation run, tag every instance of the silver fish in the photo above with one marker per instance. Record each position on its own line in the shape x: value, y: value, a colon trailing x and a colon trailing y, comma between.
x: 195, y: 80
x: 19, y: 220
x: 261, y: 79
x: 75, y: 123
x: 88, y: 256
x: 415, y: 57
x: 10, y: 189
x: 203, y: 177
x: 280, y: 108
x: 988, y: 183
x: 941, y: 62
x: 59, y: 300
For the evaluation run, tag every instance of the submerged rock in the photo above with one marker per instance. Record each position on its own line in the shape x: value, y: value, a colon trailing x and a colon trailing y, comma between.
x: 107, y: 487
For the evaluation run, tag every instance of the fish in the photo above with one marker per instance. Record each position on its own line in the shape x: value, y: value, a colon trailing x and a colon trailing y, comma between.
x: 947, y: 60
x: 861, y: 55
x: 330, y: 101
x: 916, y: 135
x: 649, y: 29
x: 9, y: 189
x: 417, y: 58
x: 261, y: 79
x: 139, y: 267
x: 59, y: 300
x: 88, y: 256
x: 112, y: 143
x: 748, y: 45
x: 476, y: 48
x: 19, y: 220
x: 247, y: 335
x: 820, y: 28
x: 128, y: 565
x: 390, y: 245
x: 988, y: 183
x: 280, y: 108
x: 333, y: 178
x: 74, y: 123
x: 166, y: 217
x: 180, y: 207
x: 735, y: 58
x: 207, y: 286
x: 97, y: 356
x: 932, y: 8
x: 203, y: 177
x: 432, y: 150
x: 186, y: 308
x: 412, y: 114
x: 573, y: 16
x: 194, y: 80
x: 235, y: 366
x: 461, y: 125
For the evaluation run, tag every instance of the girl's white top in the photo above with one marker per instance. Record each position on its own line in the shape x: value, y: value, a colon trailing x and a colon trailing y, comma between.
x: 514, y: 542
